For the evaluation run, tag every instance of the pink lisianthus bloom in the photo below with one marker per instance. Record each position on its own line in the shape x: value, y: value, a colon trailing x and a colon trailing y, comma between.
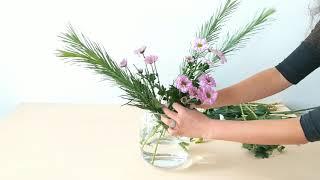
x: 141, y: 50
x: 206, y: 80
x: 150, y: 59
x: 208, y: 95
x: 220, y: 55
x: 183, y: 83
x: 123, y: 63
x: 200, y: 45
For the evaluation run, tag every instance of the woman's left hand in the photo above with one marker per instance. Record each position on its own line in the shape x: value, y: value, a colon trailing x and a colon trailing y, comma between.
x: 189, y: 123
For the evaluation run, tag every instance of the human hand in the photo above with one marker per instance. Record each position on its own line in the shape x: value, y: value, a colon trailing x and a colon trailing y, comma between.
x: 201, y: 106
x: 189, y: 123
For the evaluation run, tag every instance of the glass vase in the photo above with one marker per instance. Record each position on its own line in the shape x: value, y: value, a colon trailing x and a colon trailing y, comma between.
x: 158, y: 147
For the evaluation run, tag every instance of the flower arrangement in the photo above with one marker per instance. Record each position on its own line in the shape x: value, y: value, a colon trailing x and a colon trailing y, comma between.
x: 195, y: 84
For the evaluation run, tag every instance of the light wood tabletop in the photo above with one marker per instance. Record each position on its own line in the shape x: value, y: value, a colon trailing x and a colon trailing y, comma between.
x: 42, y: 141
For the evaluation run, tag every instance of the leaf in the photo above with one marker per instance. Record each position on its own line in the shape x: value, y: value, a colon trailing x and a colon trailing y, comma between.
x: 261, y: 110
x: 281, y: 148
x: 162, y: 90
x: 151, y: 77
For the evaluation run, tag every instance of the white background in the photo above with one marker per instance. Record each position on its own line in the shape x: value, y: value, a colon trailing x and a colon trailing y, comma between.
x: 30, y: 72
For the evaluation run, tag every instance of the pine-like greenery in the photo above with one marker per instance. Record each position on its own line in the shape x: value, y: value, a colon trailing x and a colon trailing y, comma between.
x: 79, y: 49
x: 211, y: 31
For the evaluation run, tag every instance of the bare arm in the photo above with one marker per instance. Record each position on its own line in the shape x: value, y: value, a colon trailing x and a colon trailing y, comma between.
x: 258, y: 86
x: 299, y: 64
x: 191, y: 123
x: 258, y: 132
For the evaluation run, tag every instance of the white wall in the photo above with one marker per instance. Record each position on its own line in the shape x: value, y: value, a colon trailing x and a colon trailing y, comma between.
x: 30, y: 72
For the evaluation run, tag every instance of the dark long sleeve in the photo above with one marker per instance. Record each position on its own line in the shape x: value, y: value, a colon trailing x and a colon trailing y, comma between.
x: 310, y: 124
x: 304, y: 60
x: 299, y: 64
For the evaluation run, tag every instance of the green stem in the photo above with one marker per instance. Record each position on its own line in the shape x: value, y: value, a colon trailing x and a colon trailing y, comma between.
x: 292, y: 112
x: 242, y: 113
x: 249, y: 108
x: 149, y: 82
x: 156, y: 148
x: 155, y: 67
x: 150, y: 135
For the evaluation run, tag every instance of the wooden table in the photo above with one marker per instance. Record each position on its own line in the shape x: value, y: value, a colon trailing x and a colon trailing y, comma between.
x: 93, y: 142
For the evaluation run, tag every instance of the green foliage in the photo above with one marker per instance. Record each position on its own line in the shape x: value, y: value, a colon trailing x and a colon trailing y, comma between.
x: 239, y: 39
x: 211, y: 29
x: 79, y: 49
x: 247, y: 112
x: 263, y: 151
x: 173, y: 95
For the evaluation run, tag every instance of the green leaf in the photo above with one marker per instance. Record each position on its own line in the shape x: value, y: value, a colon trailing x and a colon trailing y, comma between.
x: 261, y: 110
x: 151, y: 77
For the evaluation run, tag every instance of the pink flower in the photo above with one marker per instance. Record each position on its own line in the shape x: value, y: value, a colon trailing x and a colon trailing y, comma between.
x: 141, y: 50
x: 123, y: 63
x: 183, y: 83
x: 194, y: 92
x: 206, y: 80
x: 208, y: 95
x: 220, y: 54
x: 200, y: 45
x: 150, y: 59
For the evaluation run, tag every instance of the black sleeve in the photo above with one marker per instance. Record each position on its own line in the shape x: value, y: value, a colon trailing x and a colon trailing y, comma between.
x: 302, y: 61
x: 299, y: 64
x: 310, y: 124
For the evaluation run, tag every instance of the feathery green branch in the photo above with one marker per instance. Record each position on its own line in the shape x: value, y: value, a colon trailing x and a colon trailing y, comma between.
x: 211, y: 29
x: 79, y: 49
x: 240, y: 38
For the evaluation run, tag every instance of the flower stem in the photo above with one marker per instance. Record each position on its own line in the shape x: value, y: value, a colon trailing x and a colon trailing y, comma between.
x: 156, y: 148
x: 150, y: 83
x: 242, y: 113
x: 295, y: 111
x: 253, y: 113
x: 155, y: 67
x: 150, y: 135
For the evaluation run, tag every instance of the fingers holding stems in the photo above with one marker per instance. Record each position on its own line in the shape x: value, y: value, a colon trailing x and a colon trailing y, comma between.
x: 172, y: 119
x: 173, y: 125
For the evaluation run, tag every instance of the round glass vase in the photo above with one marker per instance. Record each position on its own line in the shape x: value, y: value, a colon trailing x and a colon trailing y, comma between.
x: 158, y: 147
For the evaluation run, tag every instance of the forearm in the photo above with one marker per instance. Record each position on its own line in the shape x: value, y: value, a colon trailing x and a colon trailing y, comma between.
x: 261, y: 85
x: 265, y: 132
